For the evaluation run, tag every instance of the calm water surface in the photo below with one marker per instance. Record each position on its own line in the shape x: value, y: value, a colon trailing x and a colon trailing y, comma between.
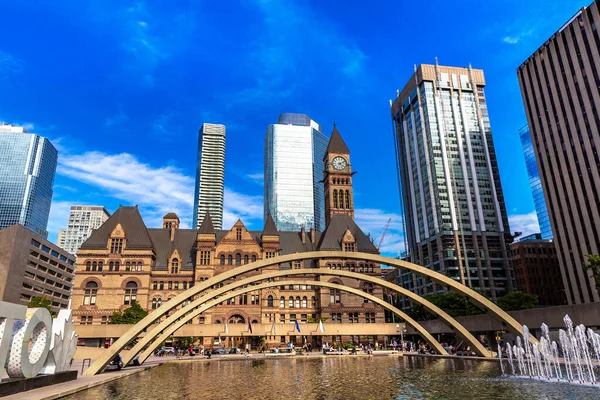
x: 343, y: 378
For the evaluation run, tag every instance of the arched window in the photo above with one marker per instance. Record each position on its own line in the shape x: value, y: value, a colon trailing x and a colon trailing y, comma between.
x: 94, y: 266
x: 313, y: 302
x: 297, y: 301
x: 335, y: 296
x: 238, y: 259
x: 253, y: 257
x: 139, y: 266
x: 154, y: 303
x: 246, y: 259
x: 282, y: 302
x: 270, y: 301
x: 229, y: 260
x: 341, y: 198
x: 335, y: 199
x: 130, y: 293
x: 218, y: 321
x: 304, y: 302
x: 91, y: 291
x: 368, y: 288
x: 127, y: 266
x: 88, y: 266
x: 222, y: 259
x: 116, y: 265
x: 236, y: 319
x: 100, y: 266
x: 159, y: 303
x: 291, y: 302
x: 348, y: 199
x: 370, y: 267
x: 175, y: 266
x: 111, y: 266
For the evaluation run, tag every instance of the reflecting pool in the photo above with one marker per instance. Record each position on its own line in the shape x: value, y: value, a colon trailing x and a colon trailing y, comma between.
x: 331, y: 378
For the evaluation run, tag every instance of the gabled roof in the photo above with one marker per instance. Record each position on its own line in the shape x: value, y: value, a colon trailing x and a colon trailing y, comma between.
x: 184, y: 242
x: 270, y: 228
x: 207, y: 224
x: 331, y: 239
x: 336, y: 144
x: 136, y: 233
x: 171, y: 215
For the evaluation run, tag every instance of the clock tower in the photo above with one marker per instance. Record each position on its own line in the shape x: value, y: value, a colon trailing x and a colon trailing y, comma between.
x: 337, y: 180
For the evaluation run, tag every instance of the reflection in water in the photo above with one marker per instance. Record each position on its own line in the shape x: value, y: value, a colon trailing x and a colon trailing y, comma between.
x: 331, y: 378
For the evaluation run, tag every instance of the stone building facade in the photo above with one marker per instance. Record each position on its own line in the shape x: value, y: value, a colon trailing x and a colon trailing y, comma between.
x: 124, y: 262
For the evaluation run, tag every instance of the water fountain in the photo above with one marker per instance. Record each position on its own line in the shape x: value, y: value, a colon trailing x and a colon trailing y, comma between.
x: 578, y: 347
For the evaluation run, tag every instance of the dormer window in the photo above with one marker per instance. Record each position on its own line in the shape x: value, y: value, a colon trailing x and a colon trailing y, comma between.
x: 349, y: 247
x: 175, y: 266
x: 116, y: 246
x: 238, y: 234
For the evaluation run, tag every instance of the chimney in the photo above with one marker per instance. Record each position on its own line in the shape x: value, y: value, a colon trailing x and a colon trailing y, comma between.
x: 303, y: 234
x: 172, y: 231
x: 312, y: 235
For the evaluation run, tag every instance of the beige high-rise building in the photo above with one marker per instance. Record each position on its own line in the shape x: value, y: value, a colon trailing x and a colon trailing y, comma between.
x: 82, y: 221
x: 560, y: 84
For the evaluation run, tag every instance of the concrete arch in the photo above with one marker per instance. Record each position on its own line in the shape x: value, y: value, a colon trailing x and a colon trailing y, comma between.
x: 168, y: 331
x: 149, y: 320
x: 184, y: 314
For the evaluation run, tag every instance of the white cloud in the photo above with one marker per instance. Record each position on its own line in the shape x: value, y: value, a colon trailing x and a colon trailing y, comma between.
x: 9, y: 64
x: 257, y: 177
x: 58, y: 218
x: 247, y: 208
x: 517, y: 37
x: 373, y: 221
x: 511, y: 39
x: 525, y: 223
x: 116, y: 120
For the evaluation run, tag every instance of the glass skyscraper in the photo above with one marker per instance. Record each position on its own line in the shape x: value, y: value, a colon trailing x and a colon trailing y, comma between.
x: 535, y: 183
x: 294, y: 151
x: 455, y: 216
x: 27, y: 168
x: 210, y: 175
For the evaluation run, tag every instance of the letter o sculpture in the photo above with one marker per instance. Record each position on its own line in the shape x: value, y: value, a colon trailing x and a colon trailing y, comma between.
x: 25, y: 361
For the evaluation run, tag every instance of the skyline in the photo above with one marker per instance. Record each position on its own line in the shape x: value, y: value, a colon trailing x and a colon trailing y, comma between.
x: 115, y: 82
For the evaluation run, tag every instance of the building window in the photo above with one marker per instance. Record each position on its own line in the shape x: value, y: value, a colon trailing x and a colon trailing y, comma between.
x: 88, y: 266
x: 353, y: 317
x: 370, y: 318
x: 348, y: 246
x: 230, y: 260
x: 116, y: 246
x: 184, y: 285
x: 238, y: 234
x: 238, y: 259
x: 335, y: 296
x: 291, y: 302
x: 348, y: 199
x: 87, y: 320
x: 282, y: 302
x: 282, y: 318
x: 174, y: 266
x: 335, y: 199
x: 127, y: 266
x: 297, y: 265
x: 154, y: 285
x: 292, y: 317
x: 368, y: 288
x: 304, y: 302
x: 161, y: 285
x: 205, y: 258
x: 176, y: 285
x: 170, y: 285
x: 130, y: 293
x: 336, y: 317
x: 246, y: 259
x: 104, y: 320
x: 270, y: 301
x: 154, y: 303
x: 253, y: 258
x: 304, y: 318
x: 91, y: 291
x: 255, y: 300
x: 298, y: 302
x: 313, y: 302
x: 139, y: 266
x: 270, y: 254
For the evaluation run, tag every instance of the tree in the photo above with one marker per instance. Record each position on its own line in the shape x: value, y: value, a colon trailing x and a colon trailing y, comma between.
x: 517, y: 301
x: 594, y: 266
x: 132, y: 315
x: 41, y: 302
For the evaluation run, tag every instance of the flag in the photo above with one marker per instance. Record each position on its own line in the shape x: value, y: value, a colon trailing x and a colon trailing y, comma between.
x: 297, y: 326
x: 249, y: 326
x: 321, y: 327
x: 226, y: 329
x: 273, y: 330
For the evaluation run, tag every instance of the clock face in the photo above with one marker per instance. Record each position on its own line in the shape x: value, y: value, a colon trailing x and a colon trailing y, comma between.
x: 339, y: 163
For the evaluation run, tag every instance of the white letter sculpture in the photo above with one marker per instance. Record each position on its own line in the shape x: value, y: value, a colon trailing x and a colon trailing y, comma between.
x: 63, y: 344
x: 9, y: 313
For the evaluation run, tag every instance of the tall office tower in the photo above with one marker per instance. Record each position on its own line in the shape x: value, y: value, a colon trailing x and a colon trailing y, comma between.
x: 560, y: 84
x: 456, y: 221
x: 27, y: 167
x: 535, y: 183
x: 294, y: 151
x: 82, y: 220
x: 210, y: 175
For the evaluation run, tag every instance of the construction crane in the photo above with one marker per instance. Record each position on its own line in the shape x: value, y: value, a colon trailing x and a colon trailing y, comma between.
x: 384, y: 232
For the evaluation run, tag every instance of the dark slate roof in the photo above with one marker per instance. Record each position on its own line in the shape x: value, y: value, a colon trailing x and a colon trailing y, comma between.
x: 207, y: 224
x: 336, y: 144
x: 331, y: 239
x: 184, y: 242
x: 133, y: 225
x: 270, y: 228
x: 171, y: 216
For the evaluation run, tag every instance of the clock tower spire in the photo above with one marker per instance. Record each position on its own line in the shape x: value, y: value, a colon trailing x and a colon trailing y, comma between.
x: 337, y: 179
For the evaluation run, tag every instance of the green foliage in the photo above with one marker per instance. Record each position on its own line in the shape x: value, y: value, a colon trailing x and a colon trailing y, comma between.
x: 312, y: 320
x: 453, y: 303
x: 184, y: 343
x: 517, y: 301
x: 132, y: 315
x: 594, y: 266
x: 41, y: 302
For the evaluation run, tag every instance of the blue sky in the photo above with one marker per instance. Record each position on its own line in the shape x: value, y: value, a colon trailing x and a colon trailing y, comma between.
x: 122, y: 87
